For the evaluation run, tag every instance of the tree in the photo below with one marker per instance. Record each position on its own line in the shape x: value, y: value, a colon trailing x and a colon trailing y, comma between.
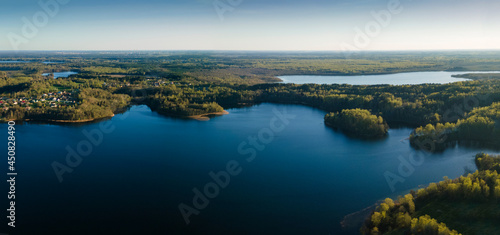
x: 359, y: 122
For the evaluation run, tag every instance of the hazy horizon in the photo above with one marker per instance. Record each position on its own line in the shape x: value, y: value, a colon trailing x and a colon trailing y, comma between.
x: 257, y: 50
x: 241, y: 25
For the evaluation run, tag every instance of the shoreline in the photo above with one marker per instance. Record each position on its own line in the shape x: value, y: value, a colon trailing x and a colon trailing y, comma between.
x: 80, y: 121
x: 65, y: 121
x: 205, y: 117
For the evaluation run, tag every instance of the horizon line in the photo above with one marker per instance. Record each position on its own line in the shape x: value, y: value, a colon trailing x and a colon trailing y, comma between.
x: 243, y: 50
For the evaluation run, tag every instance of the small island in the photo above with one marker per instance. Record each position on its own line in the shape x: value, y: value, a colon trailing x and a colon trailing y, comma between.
x: 358, y: 122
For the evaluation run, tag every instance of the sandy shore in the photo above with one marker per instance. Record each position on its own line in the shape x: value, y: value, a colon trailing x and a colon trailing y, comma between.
x: 79, y: 121
x: 206, y: 116
x: 70, y: 121
x: 353, y: 222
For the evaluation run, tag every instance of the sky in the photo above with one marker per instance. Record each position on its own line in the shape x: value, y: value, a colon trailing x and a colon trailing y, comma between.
x: 292, y: 25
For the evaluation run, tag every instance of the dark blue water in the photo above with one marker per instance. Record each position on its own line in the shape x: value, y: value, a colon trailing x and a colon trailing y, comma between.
x: 305, y: 181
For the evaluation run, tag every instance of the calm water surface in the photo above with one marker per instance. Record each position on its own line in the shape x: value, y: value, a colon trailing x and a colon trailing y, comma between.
x: 412, y: 78
x: 13, y: 61
x: 17, y: 61
x: 304, y: 181
x: 52, y: 62
x: 60, y: 74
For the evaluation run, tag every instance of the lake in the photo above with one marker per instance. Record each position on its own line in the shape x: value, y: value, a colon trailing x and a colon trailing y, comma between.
x: 13, y: 62
x: 60, y: 74
x: 16, y: 61
x: 412, y: 78
x: 302, y: 180
x: 52, y: 62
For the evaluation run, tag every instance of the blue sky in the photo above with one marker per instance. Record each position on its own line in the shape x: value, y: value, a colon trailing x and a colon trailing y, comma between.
x: 251, y: 25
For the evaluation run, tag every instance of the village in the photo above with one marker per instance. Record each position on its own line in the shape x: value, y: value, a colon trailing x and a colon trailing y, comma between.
x: 65, y: 97
x: 51, y: 99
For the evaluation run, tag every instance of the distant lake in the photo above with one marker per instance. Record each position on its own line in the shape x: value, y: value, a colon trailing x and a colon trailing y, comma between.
x: 52, y: 62
x: 304, y: 181
x: 14, y: 62
x: 412, y: 78
x: 60, y: 74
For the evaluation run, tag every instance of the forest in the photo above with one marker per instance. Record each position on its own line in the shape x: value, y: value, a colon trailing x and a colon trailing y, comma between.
x: 478, y: 76
x: 192, y: 83
x: 468, y: 205
x: 481, y: 125
x: 358, y: 122
x: 90, y: 104
x: 185, y: 84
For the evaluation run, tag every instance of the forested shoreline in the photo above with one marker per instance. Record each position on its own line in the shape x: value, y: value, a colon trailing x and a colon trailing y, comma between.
x: 358, y: 122
x: 481, y: 125
x: 428, y: 210
x: 183, y: 85
x: 187, y: 84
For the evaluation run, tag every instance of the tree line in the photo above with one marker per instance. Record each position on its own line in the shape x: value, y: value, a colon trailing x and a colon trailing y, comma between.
x: 90, y: 104
x: 407, y: 214
x: 481, y: 125
x: 359, y: 122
